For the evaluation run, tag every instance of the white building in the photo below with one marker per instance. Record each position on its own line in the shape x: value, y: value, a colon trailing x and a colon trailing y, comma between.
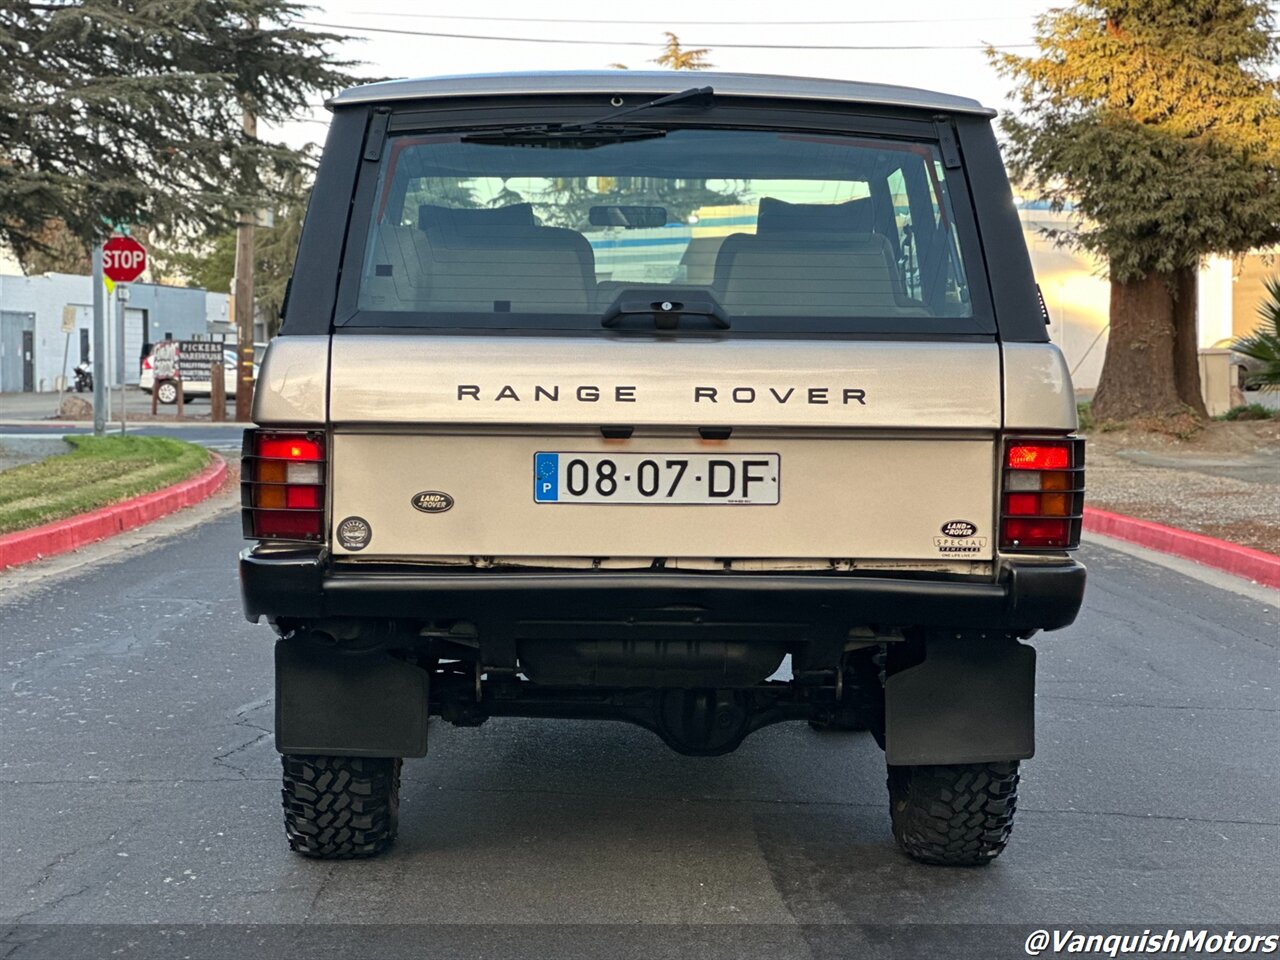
x: 46, y: 327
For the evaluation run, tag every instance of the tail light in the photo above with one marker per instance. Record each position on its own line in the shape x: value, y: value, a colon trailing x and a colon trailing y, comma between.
x: 282, y: 485
x: 1042, y: 498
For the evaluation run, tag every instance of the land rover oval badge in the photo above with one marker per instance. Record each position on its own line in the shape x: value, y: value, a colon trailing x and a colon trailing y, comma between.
x: 354, y: 533
x: 432, y: 501
x: 959, y: 529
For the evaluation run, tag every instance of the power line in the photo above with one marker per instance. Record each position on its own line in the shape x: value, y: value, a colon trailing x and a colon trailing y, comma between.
x: 697, y: 23
x: 653, y: 44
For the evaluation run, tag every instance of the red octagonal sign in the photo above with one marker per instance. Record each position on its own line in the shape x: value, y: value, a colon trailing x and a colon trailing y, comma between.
x: 123, y: 259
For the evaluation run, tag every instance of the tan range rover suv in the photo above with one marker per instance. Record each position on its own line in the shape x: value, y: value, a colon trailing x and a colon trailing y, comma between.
x: 597, y: 397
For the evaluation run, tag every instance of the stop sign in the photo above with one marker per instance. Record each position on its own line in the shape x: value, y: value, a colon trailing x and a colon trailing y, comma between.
x: 123, y: 259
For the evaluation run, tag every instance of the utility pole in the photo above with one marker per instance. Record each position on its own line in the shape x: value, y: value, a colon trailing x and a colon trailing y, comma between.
x: 244, y: 296
x: 99, y: 344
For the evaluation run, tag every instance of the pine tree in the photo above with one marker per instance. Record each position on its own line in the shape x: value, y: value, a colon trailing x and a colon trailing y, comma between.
x: 1159, y: 121
x: 210, y: 263
x: 675, y: 57
x: 275, y: 250
x: 129, y: 111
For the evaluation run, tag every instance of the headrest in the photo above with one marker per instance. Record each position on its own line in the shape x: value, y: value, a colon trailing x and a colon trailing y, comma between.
x: 464, y: 221
x: 778, y: 216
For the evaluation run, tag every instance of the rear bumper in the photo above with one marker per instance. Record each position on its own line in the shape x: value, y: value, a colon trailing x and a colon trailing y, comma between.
x: 597, y: 603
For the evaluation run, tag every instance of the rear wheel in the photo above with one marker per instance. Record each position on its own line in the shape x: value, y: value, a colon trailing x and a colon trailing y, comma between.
x: 167, y: 391
x: 339, y: 808
x: 959, y: 814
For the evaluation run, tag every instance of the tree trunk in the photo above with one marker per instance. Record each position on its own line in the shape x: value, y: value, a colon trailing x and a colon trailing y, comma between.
x: 1138, y: 377
x: 1186, y: 341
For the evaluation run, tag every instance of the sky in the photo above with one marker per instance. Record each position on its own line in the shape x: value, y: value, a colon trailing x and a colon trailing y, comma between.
x: 610, y: 29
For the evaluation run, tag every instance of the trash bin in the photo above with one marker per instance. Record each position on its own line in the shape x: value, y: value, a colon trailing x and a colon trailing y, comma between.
x: 1216, y: 380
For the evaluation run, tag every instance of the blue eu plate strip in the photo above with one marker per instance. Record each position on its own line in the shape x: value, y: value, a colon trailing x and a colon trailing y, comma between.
x: 546, y: 477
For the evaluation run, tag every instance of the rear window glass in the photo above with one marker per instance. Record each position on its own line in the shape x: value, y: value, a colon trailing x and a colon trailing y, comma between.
x: 770, y: 226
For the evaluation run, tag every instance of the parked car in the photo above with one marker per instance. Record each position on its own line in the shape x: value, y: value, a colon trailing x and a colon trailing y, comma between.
x: 167, y: 391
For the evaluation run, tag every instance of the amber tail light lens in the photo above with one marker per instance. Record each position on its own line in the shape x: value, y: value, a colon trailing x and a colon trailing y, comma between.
x: 282, y: 485
x: 1042, y: 497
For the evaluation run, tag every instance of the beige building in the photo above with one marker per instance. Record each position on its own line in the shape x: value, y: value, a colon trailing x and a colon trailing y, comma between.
x: 1077, y: 294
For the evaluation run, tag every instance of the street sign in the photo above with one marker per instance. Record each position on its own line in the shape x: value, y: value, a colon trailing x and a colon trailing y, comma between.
x: 189, y: 360
x: 164, y: 360
x: 123, y: 259
x: 196, y: 359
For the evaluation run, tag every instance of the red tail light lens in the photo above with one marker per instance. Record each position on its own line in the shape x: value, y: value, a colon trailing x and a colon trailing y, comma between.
x: 1043, y: 494
x: 297, y: 449
x: 282, y: 485
x: 1038, y: 532
x: 1038, y: 456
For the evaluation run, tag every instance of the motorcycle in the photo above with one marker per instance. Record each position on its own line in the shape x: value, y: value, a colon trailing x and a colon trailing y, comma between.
x: 84, y: 377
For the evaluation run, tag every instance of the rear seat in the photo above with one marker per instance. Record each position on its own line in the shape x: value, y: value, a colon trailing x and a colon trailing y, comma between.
x: 503, y: 260
x: 480, y: 261
x: 395, y: 277
x: 817, y: 258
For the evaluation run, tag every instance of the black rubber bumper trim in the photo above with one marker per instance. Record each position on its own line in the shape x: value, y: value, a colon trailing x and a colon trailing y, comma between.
x: 1029, y: 596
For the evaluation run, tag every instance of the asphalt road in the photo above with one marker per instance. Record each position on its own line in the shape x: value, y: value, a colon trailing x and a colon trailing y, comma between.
x: 139, y: 785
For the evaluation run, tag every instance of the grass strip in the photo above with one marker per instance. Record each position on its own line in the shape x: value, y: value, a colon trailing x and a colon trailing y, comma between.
x: 98, y: 472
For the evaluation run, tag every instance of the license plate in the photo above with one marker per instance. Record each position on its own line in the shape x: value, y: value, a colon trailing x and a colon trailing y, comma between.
x: 678, y: 478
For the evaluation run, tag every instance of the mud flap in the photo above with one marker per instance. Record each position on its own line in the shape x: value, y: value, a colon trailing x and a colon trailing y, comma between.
x: 969, y: 701
x: 335, y: 703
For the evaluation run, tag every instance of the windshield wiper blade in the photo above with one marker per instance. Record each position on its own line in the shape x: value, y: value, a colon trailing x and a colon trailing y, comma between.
x: 602, y: 128
x: 703, y: 94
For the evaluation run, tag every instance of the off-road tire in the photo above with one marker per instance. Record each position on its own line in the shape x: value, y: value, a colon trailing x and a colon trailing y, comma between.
x: 340, y: 808
x: 959, y: 815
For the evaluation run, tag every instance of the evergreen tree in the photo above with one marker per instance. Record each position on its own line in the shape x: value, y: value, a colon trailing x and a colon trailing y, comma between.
x: 130, y: 111
x: 211, y: 262
x: 59, y: 251
x: 275, y: 249
x: 675, y: 57
x: 1159, y: 121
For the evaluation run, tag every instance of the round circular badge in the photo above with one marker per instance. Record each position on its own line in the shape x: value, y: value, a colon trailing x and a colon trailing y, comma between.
x: 354, y: 533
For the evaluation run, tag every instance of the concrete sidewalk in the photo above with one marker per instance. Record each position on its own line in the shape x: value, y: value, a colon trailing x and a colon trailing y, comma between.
x: 44, y: 406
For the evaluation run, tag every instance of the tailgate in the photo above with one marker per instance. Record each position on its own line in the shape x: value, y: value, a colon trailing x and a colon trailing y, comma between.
x: 873, y: 447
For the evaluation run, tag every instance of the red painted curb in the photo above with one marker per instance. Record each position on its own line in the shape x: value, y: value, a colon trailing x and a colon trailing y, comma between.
x: 1212, y: 552
x: 51, y: 539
